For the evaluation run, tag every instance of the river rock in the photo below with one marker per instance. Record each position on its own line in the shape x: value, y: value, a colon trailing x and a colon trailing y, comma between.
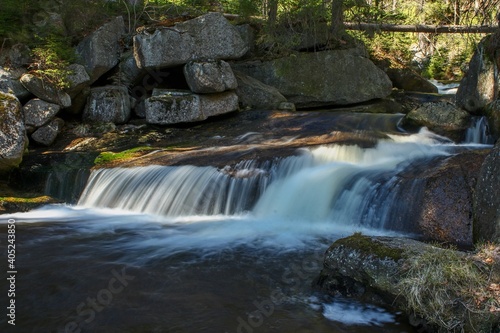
x: 78, y: 80
x: 108, y: 104
x: 13, y: 138
x: 165, y: 108
x: 209, y: 76
x: 379, y: 269
x: 487, y: 199
x: 492, y: 113
x: 480, y: 85
x: 339, y: 77
x: 257, y: 95
x: 441, y: 117
x: 100, y: 51
x: 209, y: 36
x: 38, y: 112
x: 45, y: 90
x: 47, y: 134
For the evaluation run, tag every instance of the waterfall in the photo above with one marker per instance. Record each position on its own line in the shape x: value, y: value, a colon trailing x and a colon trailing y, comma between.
x: 478, y: 131
x: 341, y: 183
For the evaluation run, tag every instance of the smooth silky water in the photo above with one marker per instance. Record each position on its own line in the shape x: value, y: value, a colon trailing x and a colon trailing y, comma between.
x: 201, y: 249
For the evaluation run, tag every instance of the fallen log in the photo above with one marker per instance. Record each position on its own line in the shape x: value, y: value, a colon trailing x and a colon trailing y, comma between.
x: 420, y: 28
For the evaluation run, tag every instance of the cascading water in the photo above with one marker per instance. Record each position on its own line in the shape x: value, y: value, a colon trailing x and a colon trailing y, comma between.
x: 201, y: 249
x: 478, y: 132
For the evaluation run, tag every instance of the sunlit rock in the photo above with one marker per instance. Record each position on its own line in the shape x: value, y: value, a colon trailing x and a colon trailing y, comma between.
x: 38, y: 112
x: 45, y: 90
x: 108, y: 104
x: 209, y: 76
x: 13, y: 139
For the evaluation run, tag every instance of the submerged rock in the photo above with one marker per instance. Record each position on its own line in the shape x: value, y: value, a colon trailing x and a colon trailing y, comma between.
x: 209, y: 76
x: 209, y: 36
x: 339, y: 77
x: 487, y: 199
x: 13, y: 138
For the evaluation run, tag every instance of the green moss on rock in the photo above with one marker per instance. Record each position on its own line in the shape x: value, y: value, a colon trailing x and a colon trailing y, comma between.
x: 371, y: 246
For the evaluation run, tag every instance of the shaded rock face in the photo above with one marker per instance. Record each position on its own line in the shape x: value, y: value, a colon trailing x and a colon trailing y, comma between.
x: 487, y: 199
x: 492, y: 112
x: 209, y: 36
x: 255, y: 94
x: 78, y: 80
x: 47, y: 134
x: 446, y: 214
x: 13, y: 139
x: 409, y: 80
x: 209, y: 76
x: 101, y: 50
x: 45, y: 90
x: 165, y: 108
x: 338, y: 77
x: 479, y: 86
x: 9, y: 83
x: 441, y: 117
x: 38, y: 112
x: 108, y: 104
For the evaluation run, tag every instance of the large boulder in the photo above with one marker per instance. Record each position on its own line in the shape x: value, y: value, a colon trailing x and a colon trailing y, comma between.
x: 13, y: 139
x: 487, y: 199
x: 45, y: 90
x: 100, y: 51
x: 255, y: 94
x: 409, y: 80
x: 172, y: 107
x: 209, y: 76
x: 38, y: 112
x: 339, y: 77
x: 209, y: 36
x: 108, y: 104
x: 479, y: 86
x: 441, y: 117
x: 441, y: 290
x: 47, y: 134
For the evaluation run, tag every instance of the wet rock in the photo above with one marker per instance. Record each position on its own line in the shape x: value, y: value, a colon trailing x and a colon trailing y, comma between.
x: 487, y: 199
x: 78, y: 80
x: 209, y: 76
x: 38, y: 112
x: 339, y: 77
x: 257, y: 95
x: 47, y: 134
x: 108, y: 104
x: 441, y: 117
x: 101, y: 50
x: 13, y: 139
x: 209, y: 36
x: 45, y: 90
x: 479, y: 86
x: 165, y: 108
x: 492, y: 113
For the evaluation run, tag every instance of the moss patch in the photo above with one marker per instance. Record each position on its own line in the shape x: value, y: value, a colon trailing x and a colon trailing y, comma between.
x: 22, y: 204
x: 368, y: 245
x: 106, y: 158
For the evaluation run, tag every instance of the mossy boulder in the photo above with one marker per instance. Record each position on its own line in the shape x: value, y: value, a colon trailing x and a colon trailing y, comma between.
x: 20, y: 204
x: 441, y: 290
x: 338, y: 77
x: 13, y: 138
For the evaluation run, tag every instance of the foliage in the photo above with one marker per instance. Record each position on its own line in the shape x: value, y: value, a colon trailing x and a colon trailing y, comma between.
x: 446, y: 287
x: 51, y: 61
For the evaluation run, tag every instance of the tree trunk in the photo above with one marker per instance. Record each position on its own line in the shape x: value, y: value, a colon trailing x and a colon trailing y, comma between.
x: 337, y: 24
x: 272, y: 14
x: 420, y: 28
